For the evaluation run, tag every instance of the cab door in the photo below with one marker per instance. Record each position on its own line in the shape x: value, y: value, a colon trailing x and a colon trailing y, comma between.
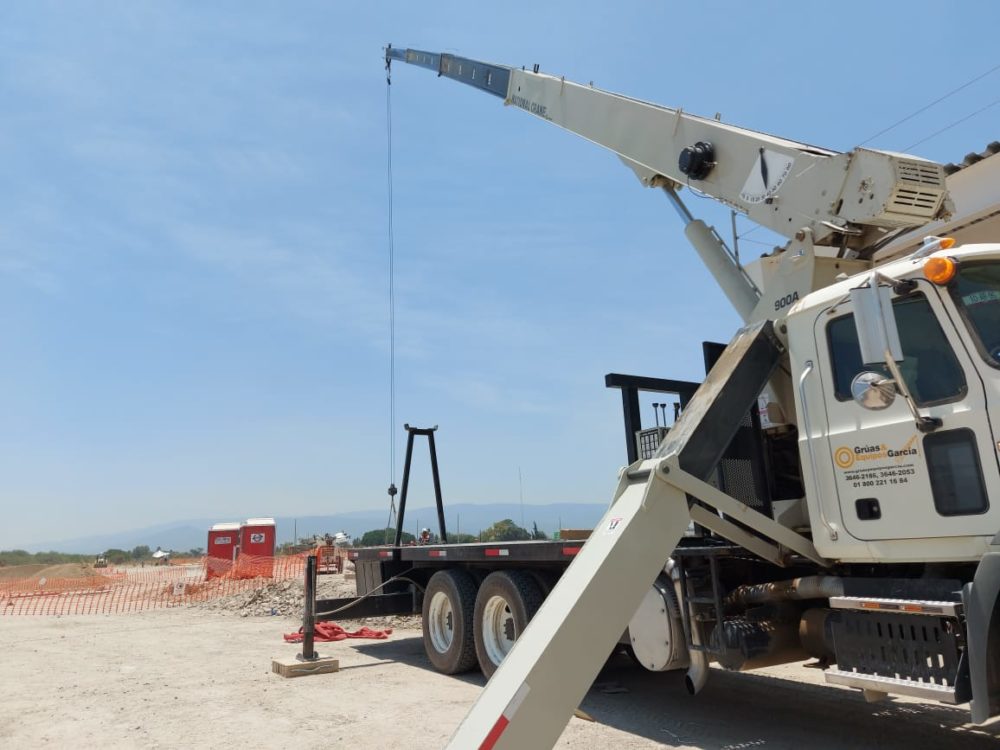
x: 894, y: 481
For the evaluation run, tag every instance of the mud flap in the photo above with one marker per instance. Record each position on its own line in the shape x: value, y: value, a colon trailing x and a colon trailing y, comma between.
x: 982, y: 618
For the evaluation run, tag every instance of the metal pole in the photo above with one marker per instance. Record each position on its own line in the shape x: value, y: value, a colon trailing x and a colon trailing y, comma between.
x: 309, y: 611
x: 437, y: 485
x: 406, y: 485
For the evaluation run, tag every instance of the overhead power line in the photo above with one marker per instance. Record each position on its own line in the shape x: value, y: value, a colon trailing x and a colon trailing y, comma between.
x: 937, y: 101
x: 957, y: 122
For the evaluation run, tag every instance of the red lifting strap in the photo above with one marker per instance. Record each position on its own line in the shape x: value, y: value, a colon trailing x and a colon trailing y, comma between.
x: 331, y: 631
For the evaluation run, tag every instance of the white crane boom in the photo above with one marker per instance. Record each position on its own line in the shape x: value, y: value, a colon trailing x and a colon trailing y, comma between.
x: 848, y: 199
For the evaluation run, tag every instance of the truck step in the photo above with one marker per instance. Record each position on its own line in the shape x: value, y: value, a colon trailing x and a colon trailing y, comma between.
x: 894, y: 685
x: 903, y: 606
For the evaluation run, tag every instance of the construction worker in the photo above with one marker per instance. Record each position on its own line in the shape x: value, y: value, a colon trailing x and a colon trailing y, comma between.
x: 425, y: 536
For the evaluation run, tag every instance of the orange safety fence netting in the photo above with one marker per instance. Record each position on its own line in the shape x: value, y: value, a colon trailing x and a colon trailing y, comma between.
x: 116, y: 590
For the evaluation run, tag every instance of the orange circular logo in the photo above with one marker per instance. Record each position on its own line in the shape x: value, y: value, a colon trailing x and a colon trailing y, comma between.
x: 844, y: 458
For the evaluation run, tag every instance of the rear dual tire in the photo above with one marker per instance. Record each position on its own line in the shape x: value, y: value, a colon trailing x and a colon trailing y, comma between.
x: 449, y: 603
x: 465, y: 623
x: 506, y: 602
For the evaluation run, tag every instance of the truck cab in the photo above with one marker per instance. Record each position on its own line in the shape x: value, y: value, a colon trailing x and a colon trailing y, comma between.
x: 880, y: 486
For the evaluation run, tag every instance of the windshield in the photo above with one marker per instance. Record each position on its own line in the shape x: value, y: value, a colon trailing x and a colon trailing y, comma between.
x: 976, y: 291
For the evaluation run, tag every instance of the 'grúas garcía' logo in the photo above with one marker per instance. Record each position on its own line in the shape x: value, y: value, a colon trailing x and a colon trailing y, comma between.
x: 846, y: 456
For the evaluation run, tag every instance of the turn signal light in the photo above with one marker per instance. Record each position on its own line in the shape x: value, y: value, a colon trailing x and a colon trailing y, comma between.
x: 940, y: 270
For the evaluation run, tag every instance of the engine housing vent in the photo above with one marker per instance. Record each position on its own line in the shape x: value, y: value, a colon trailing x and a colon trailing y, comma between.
x: 918, y: 193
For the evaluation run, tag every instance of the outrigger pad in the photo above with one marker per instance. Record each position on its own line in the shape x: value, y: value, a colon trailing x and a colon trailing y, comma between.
x: 714, y: 414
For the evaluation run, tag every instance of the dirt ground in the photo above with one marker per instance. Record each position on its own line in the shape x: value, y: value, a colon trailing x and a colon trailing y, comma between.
x: 63, y: 570
x: 200, y: 679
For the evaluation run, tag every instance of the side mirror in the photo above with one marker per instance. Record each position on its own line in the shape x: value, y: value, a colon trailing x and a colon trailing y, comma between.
x: 872, y: 390
x: 876, y: 323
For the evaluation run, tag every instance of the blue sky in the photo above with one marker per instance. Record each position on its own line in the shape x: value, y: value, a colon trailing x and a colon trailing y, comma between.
x: 193, y: 252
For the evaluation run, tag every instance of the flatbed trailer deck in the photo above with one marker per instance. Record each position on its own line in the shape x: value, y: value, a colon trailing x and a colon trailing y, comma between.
x: 413, y: 566
x: 535, y: 551
x: 477, y: 597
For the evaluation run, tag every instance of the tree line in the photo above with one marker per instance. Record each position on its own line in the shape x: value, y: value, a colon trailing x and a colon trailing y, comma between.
x: 113, y: 556
x: 502, y: 531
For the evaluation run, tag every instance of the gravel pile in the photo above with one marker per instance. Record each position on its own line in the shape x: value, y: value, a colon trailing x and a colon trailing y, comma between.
x: 279, y: 598
x: 286, y: 599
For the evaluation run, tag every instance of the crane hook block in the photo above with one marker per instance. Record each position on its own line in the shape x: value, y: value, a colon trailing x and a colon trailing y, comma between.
x: 697, y: 161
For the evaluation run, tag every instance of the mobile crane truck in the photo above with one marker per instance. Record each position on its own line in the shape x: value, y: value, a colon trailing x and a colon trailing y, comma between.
x: 860, y: 525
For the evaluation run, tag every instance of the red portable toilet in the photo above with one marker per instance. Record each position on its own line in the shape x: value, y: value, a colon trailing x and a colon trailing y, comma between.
x: 223, y: 541
x: 257, y: 539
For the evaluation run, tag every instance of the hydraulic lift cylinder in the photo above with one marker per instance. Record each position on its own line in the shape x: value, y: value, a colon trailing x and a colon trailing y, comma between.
x: 731, y: 278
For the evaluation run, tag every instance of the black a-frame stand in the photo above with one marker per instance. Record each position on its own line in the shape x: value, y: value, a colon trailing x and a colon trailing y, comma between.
x: 428, y: 432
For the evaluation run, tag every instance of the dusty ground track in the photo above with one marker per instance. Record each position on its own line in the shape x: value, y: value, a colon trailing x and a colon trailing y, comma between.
x: 192, y: 679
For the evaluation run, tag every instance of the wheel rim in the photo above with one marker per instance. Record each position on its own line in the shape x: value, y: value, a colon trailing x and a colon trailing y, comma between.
x: 499, y: 631
x: 441, y: 622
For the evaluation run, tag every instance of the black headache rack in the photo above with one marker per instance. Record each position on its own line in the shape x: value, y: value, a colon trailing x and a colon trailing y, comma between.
x: 740, y: 472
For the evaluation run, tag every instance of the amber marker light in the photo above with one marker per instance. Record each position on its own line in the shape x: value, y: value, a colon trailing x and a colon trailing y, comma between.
x: 940, y: 270
x: 932, y: 244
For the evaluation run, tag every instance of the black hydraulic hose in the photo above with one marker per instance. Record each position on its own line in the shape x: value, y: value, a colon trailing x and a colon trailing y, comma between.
x: 400, y: 577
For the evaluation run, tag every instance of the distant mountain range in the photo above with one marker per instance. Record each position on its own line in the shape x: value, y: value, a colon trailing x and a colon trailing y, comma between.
x: 466, y: 518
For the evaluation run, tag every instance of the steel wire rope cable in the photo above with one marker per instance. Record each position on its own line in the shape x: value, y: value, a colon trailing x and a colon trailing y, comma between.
x: 392, y: 302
